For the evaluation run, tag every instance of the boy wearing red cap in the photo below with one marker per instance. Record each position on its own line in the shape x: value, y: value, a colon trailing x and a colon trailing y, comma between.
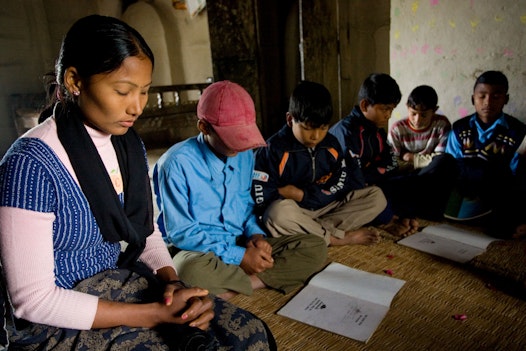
x: 203, y: 187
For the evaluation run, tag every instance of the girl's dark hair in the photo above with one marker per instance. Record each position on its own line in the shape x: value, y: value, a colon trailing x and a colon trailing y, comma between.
x: 423, y: 96
x: 94, y: 44
x: 380, y: 88
x: 311, y: 103
x: 492, y: 78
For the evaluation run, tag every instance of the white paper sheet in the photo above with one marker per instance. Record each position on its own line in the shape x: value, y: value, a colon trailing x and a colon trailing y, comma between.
x: 344, y: 300
x: 450, y: 242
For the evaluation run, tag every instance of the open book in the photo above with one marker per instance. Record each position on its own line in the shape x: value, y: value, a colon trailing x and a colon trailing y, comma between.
x: 344, y: 300
x: 450, y: 242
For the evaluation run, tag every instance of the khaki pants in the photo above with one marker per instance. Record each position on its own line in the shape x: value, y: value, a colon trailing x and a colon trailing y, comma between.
x: 359, y: 207
x: 296, y: 258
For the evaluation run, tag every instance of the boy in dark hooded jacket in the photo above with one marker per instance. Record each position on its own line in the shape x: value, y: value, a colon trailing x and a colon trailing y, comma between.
x: 363, y: 136
x: 303, y: 183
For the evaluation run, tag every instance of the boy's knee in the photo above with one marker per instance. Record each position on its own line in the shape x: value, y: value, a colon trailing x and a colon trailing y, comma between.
x: 317, y: 249
x: 379, y: 197
x: 280, y: 211
x: 191, y: 265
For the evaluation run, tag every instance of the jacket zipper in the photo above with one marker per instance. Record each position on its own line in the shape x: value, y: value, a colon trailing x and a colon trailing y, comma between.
x: 313, y: 161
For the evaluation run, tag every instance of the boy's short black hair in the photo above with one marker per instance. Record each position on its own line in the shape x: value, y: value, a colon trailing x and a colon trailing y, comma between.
x: 380, y: 88
x: 311, y: 103
x: 492, y: 78
x: 424, y: 97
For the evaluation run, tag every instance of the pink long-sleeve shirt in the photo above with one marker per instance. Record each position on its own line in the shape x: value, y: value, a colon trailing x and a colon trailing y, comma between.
x: 26, y: 243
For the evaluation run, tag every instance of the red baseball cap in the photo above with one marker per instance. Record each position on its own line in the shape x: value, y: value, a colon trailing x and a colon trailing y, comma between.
x: 229, y: 108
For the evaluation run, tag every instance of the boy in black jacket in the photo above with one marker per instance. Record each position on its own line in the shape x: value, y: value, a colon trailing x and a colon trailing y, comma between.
x: 363, y: 136
x: 302, y: 182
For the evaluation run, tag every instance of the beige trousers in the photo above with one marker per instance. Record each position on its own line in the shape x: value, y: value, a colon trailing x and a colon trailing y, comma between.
x: 359, y: 207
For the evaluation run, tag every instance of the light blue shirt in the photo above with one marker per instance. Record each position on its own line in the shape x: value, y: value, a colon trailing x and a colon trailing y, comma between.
x: 455, y: 148
x: 205, y: 203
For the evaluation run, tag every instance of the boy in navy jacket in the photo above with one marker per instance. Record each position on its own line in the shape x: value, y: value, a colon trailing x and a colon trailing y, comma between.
x: 303, y: 184
x: 362, y: 135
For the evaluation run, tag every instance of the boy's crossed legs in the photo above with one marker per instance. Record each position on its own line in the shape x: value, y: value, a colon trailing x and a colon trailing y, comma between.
x: 339, y: 223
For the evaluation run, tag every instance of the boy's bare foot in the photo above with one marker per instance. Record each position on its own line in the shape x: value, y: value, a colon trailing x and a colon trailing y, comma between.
x: 411, y: 223
x: 362, y: 236
x: 255, y: 282
x: 401, y: 227
x: 520, y: 232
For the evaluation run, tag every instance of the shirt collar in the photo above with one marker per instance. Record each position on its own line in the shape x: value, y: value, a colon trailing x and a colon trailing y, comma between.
x: 211, y: 159
x: 473, y: 122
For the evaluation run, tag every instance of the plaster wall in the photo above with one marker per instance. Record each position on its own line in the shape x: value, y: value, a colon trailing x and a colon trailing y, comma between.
x: 448, y: 43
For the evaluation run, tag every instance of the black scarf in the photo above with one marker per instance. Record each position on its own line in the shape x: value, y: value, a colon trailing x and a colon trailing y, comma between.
x: 132, y: 222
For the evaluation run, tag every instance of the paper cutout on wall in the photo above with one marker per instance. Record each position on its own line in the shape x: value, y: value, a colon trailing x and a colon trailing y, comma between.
x: 457, y: 100
x: 462, y: 112
x: 508, y: 52
x: 523, y: 19
x: 512, y: 108
x: 433, y: 2
x: 452, y: 24
x: 425, y: 48
x: 414, y: 6
x: 474, y: 23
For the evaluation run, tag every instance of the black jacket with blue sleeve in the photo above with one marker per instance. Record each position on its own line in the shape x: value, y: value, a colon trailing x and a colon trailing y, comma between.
x: 367, y: 144
x: 323, y: 173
